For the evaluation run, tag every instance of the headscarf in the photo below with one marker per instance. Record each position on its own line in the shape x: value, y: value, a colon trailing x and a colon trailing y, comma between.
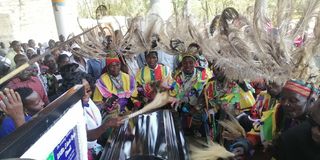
x: 300, y: 87
x: 112, y: 57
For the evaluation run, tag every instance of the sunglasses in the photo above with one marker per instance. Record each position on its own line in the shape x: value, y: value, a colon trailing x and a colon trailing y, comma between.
x: 312, y: 122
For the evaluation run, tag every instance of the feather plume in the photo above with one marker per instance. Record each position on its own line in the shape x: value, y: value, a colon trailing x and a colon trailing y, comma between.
x: 159, y: 101
x: 212, y: 151
x: 233, y: 126
x: 141, y: 32
x: 303, y: 66
x: 249, y: 51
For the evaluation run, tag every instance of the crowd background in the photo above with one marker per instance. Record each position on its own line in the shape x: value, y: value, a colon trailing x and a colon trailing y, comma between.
x: 245, y: 99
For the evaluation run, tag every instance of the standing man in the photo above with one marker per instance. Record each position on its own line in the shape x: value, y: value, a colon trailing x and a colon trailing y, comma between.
x: 302, y: 141
x: 32, y: 44
x: 15, y: 48
x: 191, y: 81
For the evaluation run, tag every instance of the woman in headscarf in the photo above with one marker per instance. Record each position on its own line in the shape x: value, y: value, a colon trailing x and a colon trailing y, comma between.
x: 114, y: 87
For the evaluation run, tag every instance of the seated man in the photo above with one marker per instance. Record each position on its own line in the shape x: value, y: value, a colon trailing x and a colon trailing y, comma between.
x: 191, y: 81
x: 19, y: 105
x: 302, y: 141
x: 53, y: 77
x: 296, y: 99
x: 94, y: 124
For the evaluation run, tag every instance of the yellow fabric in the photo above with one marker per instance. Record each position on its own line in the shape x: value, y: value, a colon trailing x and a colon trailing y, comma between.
x: 97, y: 97
x: 267, y: 114
x: 143, y: 77
x: 246, y: 99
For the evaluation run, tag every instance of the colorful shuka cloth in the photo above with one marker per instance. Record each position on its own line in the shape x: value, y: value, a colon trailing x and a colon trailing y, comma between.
x: 149, y: 81
x: 190, y: 88
x: 109, y: 87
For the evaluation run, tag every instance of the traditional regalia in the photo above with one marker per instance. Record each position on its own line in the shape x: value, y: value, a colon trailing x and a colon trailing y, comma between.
x: 150, y: 81
x: 190, y: 91
x: 225, y: 95
x: 275, y: 120
x: 264, y: 103
x: 110, y: 88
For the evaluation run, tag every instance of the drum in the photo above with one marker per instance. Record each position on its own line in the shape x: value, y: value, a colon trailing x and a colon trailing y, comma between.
x: 154, y: 135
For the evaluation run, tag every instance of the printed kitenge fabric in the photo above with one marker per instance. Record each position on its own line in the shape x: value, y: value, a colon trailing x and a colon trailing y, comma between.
x: 273, y: 121
x: 191, y: 86
x: 149, y: 81
x: 107, y: 87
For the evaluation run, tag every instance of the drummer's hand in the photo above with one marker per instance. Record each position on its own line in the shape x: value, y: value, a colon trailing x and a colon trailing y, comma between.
x: 114, y: 122
x: 115, y: 103
x: 174, y: 102
x: 239, y: 153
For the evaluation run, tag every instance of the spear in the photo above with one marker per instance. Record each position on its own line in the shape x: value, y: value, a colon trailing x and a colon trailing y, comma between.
x: 35, y: 59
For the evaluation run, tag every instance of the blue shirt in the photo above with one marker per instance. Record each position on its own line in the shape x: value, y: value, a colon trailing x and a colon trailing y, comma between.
x: 95, y: 68
x: 7, y: 126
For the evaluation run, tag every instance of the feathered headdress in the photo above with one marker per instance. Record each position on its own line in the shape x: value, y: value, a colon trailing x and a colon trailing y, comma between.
x: 250, y: 50
x: 142, y: 33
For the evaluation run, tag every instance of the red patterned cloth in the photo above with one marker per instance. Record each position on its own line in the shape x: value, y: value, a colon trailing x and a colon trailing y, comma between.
x: 34, y: 83
x: 299, y: 88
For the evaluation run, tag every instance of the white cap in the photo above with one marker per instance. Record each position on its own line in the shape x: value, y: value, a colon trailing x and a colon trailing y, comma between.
x: 69, y: 54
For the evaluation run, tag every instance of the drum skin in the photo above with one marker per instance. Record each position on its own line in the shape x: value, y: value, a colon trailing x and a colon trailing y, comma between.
x: 155, y: 135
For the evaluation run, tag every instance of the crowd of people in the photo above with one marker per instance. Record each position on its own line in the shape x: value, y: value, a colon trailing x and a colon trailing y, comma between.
x: 256, y: 118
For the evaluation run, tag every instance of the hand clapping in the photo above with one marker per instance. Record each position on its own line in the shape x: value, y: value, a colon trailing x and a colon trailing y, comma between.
x: 11, y: 104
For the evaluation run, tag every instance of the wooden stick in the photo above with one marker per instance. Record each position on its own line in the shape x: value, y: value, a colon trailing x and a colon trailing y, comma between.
x: 35, y: 59
x: 160, y: 100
